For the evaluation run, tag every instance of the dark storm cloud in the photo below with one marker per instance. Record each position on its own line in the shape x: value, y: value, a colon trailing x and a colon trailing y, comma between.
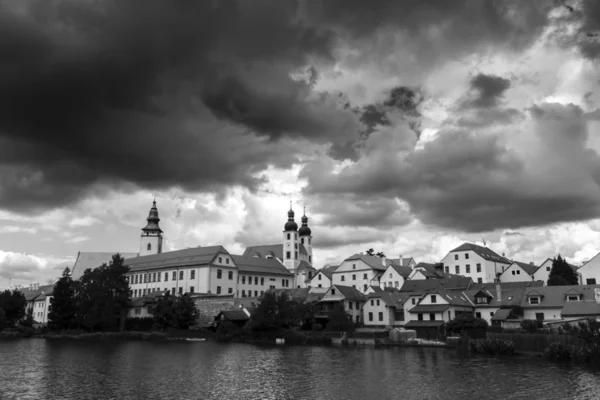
x: 488, y: 90
x: 195, y: 94
x: 481, y: 182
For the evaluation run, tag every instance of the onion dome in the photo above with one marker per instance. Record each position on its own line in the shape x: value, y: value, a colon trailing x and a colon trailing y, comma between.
x: 304, y: 229
x: 291, y: 225
x: 152, y: 226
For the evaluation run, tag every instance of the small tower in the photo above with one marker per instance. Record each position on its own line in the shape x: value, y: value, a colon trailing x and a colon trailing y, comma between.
x: 290, y: 242
x: 305, y: 237
x: 151, y: 242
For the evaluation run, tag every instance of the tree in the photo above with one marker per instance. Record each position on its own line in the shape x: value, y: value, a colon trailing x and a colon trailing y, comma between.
x: 277, y: 310
x: 339, y: 319
x: 102, y: 295
x: 465, y: 322
x: 561, y: 273
x: 13, y: 303
x: 370, y: 252
x: 164, y: 312
x: 186, y: 311
x: 28, y: 320
x: 380, y: 254
x: 63, y: 307
x: 3, y: 323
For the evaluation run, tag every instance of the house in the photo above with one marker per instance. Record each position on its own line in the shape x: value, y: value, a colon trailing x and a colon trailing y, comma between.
x: 403, y: 261
x: 141, y: 307
x: 360, y: 271
x: 589, y: 273
x: 323, y: 277
x: 477, y: 262
x: 543, y: 272
x: 38, y: 301
x: 384, y: 309
x: 256, y: 275
x: 488, y: 301
x: 546, y: 303
x: 351, y: 299
x: 575, y: 310
x: 238, y: 317
x: 395, y: 275
x: 429, y: 271
x: 518, y: 272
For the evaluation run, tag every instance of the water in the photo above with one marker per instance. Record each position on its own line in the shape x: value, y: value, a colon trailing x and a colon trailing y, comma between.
x: 39, y: 369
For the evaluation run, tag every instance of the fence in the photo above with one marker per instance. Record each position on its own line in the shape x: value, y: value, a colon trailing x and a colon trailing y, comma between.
x: 536, y: 342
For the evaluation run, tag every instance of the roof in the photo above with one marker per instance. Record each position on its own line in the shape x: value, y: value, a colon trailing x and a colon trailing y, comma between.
x: 404, y: 262
x: 529, y: 268
x: 90, y: 260
x: 419, y: 285
x: 430, y: 308
x: 259, y: 265
x: 402, y: 270
x: 348, y: 292
x: 304, y: 265
x: 179, y: 258
x: 372, y: 261
x: 554, y: 296
x: 235, y: 315
x: 391, y: 298
x: 377, y: 289
x: 483, y: 252
x: 329, y: 270
x: 429, y: 271
x: 275, y: 250
x: 506, y: 285
x: 509, y: 296
x: 423, y: 324
x: 33, y: 294
x: 581, y: 308
x: 302, y: 295
x: 501, y: 315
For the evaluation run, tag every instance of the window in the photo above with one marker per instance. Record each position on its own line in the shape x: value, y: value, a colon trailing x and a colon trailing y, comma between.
x: 372, y: 302
x: 136, y: 280
x: 220, y: 260
x: 518, y: 272
x: 289, y: 236
x: 159, y: 274
x: 420, y: 317
x: 249, y: 280
x: 390, y: 276
x: 548, y: 269
x: 191, y: 289
x: 447, y: 269
x: 468, y: 267
x: 173, y: 291
x: 365, y: 288
x: 481, y: 300
x: 353, y: 277
x: 145, y: 278
x: 310, y: 275
x: 295, y: 254
x: 174, y: 276
x: 432, y: 316
x: 319, y: 277
x: 218, y: 289
x: 590, y: 281
x: 256, y: 293
x: 478, y: 267
x: 573, y: 298
x: 262, y: 281
x: 343, y: 278
x: 310, y: 259
x: 296, y: 246
x: 180, y: 275
x: 219, y: 274
x: 193, y: 274
x: 380, y: 316
x: 154, y: 277
x: 230, y: 275
x: 414, y: 301
x: 230, y: 290
x: 433, y: 298
x: 350, y: 305
x: 317, y: 286
x: 512, y: 272
x: 139, y: 310
x: 466, y: 256
x: 478, y: 315
x: 377, y: 301
x: 333, y: 292
x: 456, y: 256
x: 457, y: 269
x: 491, y: 314
x: 180, y: 290
x: 288, y: 255
x: 302, y: 240
x: 244, y: 279
x: 534, y: 300
x: 243, y: 293
x: 539, y: 316
x: 370, y: 316
x: 256, y: 280
x: 353, y: 266
x: 149, y: 247
x: 479, y: 280
x: 399, y: 315
x: 365, y: 276
x: 166, y: 276
x: 227, y: 261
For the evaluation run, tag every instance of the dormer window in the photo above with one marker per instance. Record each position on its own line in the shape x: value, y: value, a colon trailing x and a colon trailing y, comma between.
x: 482, y: 300
x: 534, y: 300
x: 573, y: 297
x: 333, y: 292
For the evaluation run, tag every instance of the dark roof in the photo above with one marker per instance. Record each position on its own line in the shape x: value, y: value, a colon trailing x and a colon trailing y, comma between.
x: 509, y: 296
x: 423, y: 324
x: 501, y: 315
x: 581, y: 308
x: 259, y: 265
x: 348, y: 292
x: 405, y: 262
x: 530, y: 269
x: 554, y: 296
x: 377, y: 289
x: 372, y: 261
x: 304, y: 265
x: 483, y: 252
x: 506, y: 285
x: 429, y: 271
x: 392, y: 298
x: 236, y: 315
x: 403, y: 271
x: 90, y: 260
x: 455, y: 282
x: 37, y: 294
x: 329, y: 270
x: 275, y: 250
x: 179, y: 258
x: 430, y: 308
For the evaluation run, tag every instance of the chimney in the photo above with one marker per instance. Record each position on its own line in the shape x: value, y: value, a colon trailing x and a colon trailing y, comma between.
x: 498, y: 292
x: 384, y: 261
x: 400, y: 260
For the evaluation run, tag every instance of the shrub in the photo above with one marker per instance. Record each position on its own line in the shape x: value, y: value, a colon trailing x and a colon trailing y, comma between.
x: 531, y: 325
x: 492, y: 346
x: 139, y: 324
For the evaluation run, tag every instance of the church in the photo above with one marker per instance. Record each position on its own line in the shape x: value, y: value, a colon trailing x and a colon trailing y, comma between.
x: 212, y: 270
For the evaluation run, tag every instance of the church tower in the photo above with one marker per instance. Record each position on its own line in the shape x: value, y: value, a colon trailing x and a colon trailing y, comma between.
x: 290, y: 242
x: 151, y: 242
x: 305, y: 237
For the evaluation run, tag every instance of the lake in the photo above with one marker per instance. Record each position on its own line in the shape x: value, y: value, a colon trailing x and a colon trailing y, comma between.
x: 40, y: 369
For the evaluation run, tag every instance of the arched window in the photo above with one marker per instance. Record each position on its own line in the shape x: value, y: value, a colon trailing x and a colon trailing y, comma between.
x: 289, y: 236
x: 149, y: 247
x: 302, y: 240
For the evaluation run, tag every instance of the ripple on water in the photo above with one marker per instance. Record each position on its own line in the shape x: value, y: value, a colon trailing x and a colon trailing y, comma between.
x: 38, y: 369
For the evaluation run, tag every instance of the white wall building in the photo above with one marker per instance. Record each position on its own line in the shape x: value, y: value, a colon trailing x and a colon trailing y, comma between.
x: 477, y: 262
x: 394, y: 276
x: 360, y: 271
x: 519, y: 272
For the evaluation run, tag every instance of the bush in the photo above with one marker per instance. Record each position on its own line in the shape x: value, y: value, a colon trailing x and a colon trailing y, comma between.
x: 492, y: 346
x: 139, y: 324
x: 531, y: 325
x: 589, y: 354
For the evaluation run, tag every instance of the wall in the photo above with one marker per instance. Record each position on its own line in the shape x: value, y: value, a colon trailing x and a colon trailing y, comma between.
x: 355, y: 312
x: 371, y: 306
x: 488, y: 268
x: 591, y: 270
x: 155, y: 242
x: 549, y: 313
x: 514, y: 273
x: 487, y: 313
x: 265, y: 281
x: 392, y: 278
x: 323, y: 282
x: 354, y: 267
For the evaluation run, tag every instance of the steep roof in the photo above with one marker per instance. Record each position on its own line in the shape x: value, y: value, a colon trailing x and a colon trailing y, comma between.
x: 350, y: 293
x: 276, y: 250
x: 179, y: 258
x: 554, y: 296
x: 581, y: 308
x: 455, y: 282
x: 260, y: 265
x: 405, y: 261
x: 90, y: 260
x: 402, y: 270
x: 372, y: 261
x: 501, y: 315
x: 37, y: 294
x: 530, y: 269
x: 483, y: 252
x: 329, y: 270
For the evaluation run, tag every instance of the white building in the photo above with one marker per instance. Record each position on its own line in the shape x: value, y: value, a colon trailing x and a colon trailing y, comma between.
x: 38, y: 301
x: 519, y: 272
x: 351, y: 299
x: 360, y: 271
x: 589, y: 273
x: 477, y: 262
x: 256, y: 276
x: 395, y: 275
x: 323, y: 276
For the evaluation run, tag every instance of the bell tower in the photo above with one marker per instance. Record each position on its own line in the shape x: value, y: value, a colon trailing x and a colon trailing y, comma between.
x: 306, y: 237
x: 152, y: 240
x: 290, y: 242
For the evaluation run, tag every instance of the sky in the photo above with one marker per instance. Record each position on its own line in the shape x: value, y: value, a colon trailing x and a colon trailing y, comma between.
x: 407, y: 127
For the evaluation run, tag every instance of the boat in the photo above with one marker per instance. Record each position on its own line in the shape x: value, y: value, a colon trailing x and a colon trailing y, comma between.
x: 195, y: 339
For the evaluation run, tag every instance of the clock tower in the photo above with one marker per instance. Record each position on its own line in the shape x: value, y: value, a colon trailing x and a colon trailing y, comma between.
x: 290, y: 243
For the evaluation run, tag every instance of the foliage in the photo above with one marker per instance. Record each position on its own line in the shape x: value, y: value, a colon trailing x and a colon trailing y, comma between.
x: 465, y: 322
x: 492, y: 346
x: 584, y: 354
x: 561, y: 273
x: 3, y: 322
x: 28, y: 320
x: 340, y: 320
x: 228, y: 331
x: 371, y: 252
x: 102, y: 295
x: 531, y: 325
x: 13, y: 303
x: 587, y: 330
x: 139, y: 324
x: 63, y: 309
x: 277, y: 310
x: 176, y: 312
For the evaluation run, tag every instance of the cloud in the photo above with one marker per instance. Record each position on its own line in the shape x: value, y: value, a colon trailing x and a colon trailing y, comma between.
x: 26, y: 268
x: 83, y: 221
x: 17, y: 229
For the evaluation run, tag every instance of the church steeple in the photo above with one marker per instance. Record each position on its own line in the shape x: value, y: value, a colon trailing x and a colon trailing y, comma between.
x: 151, y: 241
x: 291, y: 225
x: 152, y: 226
x: 304, y: 229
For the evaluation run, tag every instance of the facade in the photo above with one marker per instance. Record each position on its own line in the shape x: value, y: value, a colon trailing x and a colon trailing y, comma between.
x: 323, y: 277
x: 439, y: 305
x: 589, y: 273
x: 547, y: 303
x: 477, y: 262
x: 351, y: 299
x: 384, y: 309
x: 256, y: 275
x: 360, y: 271
x: 519, y: 272
x: 394, y: 276
x: 38, y: 301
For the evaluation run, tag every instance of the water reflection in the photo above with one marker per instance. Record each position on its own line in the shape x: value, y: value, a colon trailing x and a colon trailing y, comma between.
x: 34, y: 369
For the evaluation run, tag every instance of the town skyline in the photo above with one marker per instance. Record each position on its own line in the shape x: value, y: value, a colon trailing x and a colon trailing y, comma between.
x: 410, y: 130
